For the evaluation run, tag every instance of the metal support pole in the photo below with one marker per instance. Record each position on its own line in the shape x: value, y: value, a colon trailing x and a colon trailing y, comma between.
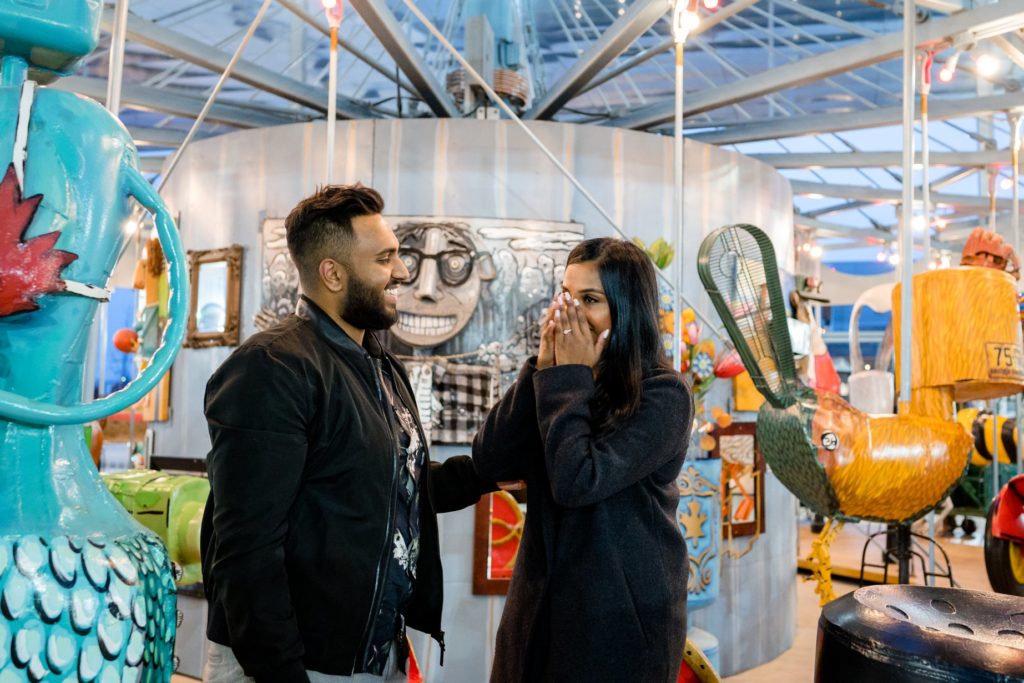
x: 677, y: 318
x: 213, y: 95
x: 332, y: 104
x: 926, y: 84
x: 994, y: 407
x: 1015, y: 121
x: 906, y: 252
x: 926, y: 239
x: 116, y: 72
x: 551, y: 157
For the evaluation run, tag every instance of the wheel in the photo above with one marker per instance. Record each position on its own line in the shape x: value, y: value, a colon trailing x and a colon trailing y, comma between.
x: 1004, y: 562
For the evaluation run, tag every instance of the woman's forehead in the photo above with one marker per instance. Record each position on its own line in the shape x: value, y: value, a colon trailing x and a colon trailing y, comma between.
x: 582, y: 276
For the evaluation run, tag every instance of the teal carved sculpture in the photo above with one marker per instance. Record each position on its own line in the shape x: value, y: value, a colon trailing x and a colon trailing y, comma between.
x: 86, y: 593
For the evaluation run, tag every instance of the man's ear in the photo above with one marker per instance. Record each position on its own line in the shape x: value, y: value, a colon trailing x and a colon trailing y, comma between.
x: 333, y: 275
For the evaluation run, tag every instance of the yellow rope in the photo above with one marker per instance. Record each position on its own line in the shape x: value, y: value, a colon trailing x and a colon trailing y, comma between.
x: 821, y: 563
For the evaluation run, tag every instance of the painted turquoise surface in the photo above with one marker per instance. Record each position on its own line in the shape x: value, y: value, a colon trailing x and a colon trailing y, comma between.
x: 86, y: 593
x: 699, y: 482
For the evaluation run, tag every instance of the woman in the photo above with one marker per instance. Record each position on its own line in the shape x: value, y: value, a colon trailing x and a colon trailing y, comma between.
x: 597, y: 424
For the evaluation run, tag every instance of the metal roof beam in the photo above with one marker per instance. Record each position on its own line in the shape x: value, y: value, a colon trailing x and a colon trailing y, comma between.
x: 169, y: 101
x: 706, y: 23
x: 321, y: 26
x: 196, y: 52
x: 836, y: 208
x: 814, y: 160
x: 381, y: 20
x: 888, y: 196
x: 637, y: 18
x: 836, y: 230
x: 157, y: 137
x: 984, y: 21
x: 816, y: 124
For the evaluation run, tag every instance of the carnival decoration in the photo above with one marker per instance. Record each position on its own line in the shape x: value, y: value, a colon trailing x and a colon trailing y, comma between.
x: 86, y: 592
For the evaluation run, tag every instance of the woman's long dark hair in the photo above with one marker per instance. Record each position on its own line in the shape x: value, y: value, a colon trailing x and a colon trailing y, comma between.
x: 635, y: 345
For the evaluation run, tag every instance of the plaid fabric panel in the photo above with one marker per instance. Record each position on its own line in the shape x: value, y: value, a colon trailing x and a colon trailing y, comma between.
x: 465, y: 394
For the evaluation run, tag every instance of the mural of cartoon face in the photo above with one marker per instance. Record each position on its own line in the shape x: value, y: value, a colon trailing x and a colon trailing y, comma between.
x: 445, y: 275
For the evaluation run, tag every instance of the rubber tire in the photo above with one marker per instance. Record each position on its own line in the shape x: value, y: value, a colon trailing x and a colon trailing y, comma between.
x: 997, y: 561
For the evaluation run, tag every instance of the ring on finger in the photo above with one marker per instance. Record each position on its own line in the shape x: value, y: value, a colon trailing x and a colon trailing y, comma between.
x: 568, y: 331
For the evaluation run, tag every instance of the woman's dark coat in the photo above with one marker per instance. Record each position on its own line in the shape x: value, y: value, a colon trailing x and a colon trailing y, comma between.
x: 599, y: 589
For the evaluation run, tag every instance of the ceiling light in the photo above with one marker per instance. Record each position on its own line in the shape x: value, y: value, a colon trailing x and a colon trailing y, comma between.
x: 816, y: 251
x: 1005, y: 183
x: 880, y: 256
x: 949, y: 68
x: 894, y: 259
x: 710, y: 4
x: 988, y: 65
x: 684, y: 19
x: 131, y: 226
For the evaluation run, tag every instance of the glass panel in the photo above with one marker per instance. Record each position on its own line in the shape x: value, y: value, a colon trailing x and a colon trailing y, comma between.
x: 212, y: 297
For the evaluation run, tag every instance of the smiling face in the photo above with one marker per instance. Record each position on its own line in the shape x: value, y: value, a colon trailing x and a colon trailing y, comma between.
x: 583, y: 282
x: 444, y: 283
x: 373, y: 271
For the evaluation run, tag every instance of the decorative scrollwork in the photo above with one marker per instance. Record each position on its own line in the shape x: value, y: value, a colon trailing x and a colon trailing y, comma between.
x: 700, y: 571
x: 692, y: 483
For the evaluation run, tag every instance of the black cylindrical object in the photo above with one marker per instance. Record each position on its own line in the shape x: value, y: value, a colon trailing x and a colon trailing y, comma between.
x: 921, y: 634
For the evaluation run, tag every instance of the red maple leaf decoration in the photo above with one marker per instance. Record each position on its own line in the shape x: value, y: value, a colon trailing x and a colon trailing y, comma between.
x: 28, y: 268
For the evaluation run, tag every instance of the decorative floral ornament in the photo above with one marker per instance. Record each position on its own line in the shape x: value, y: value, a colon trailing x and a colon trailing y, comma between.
x: 28, y: 268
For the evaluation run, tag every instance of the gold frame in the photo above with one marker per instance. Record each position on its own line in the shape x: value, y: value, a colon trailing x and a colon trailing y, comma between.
x: 232, y: 256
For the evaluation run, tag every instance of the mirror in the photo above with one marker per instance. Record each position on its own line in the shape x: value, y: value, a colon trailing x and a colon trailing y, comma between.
x: 216, y: 277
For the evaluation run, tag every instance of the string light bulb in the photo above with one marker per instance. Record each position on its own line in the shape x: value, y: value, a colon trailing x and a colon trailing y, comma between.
x: 988, y: 65
x: 684, y: 19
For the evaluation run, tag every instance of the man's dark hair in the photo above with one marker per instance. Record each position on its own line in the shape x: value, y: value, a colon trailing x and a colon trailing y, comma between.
x: 320, y: 226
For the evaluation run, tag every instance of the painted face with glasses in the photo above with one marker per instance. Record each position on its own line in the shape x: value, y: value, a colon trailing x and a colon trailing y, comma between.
x: 445, y: 272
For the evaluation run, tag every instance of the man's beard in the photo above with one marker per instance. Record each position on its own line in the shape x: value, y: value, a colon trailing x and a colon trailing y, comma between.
x: 365, y: 308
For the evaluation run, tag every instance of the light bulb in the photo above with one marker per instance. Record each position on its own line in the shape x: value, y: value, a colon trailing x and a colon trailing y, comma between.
x: 816, y: 252
x: 710, y: 4
x: 988, y: 65
x: 894, y: 259
x: 880, y: 257
x: 131, y: 226
x: 1005, y: 183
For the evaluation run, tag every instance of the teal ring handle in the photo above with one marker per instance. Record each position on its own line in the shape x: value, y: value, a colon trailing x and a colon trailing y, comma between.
x: 28, y: 411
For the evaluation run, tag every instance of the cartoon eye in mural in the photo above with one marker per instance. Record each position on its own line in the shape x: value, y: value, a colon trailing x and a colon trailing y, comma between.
x: 446, y: 269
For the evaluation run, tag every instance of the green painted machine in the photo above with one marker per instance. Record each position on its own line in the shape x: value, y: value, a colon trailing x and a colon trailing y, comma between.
x: 169, y: 505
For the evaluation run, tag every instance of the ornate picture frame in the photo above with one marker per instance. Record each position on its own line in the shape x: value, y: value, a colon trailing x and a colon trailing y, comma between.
x: 215, y: 304
x: 743, y: 471
x: 497, y: 513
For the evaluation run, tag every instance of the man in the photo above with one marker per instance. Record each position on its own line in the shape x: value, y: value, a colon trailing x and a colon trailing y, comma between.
x: 320, y: 535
